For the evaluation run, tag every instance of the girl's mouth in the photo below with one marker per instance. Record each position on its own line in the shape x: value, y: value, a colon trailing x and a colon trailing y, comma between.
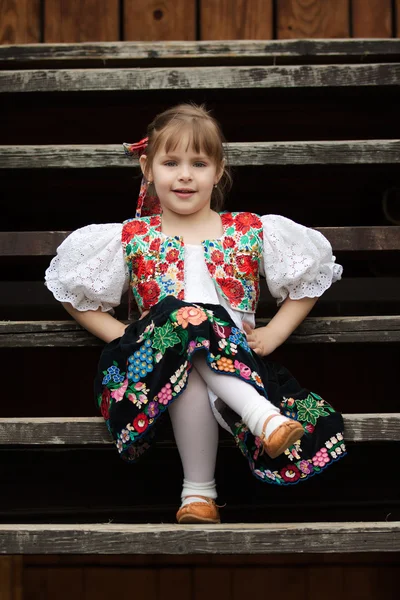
x: 184, y: 194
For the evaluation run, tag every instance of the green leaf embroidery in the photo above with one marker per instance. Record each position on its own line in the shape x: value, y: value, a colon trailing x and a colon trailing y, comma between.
x: 164, y: 337
x: 309, y: 411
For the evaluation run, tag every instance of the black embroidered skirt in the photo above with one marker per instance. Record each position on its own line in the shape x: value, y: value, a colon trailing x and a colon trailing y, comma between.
x: 146, y: 369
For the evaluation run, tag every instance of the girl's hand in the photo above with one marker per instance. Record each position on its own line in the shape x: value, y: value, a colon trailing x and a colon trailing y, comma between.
x: 259, y: 340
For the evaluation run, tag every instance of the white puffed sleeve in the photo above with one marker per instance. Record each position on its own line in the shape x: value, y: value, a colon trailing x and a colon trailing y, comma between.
x: 297, y: 260
x: 89, y: 270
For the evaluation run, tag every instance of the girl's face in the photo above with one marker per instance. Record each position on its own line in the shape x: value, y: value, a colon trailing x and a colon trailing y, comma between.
x: 183, y: 179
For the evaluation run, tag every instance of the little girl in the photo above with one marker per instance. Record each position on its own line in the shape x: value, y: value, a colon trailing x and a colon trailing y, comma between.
x: 194, y: 274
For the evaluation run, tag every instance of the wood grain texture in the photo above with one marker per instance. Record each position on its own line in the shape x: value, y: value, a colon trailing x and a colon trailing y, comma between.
x: 372, y: 18
x: 343, y: 239
x: 397, y: 13
x: 236, y: 19
x: 312, y: 19
x: 87, y: 156
x: 81, y: 20
x: 272, y: 51
x: 19, y: 21
x: 146, y: 20
x: 49, y: 583
x: 11, y: 569
x: 320, y: 76
x: 81, y: 431
x: 193, y: 539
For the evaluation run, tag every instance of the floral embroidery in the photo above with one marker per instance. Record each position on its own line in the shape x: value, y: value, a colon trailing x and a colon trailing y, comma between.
x: 156, y: 264
x: 164, y: 337
x: 190, y: 314
x: 321, y: 458
x: 243, y: 369
x: 141, y: 422
x: 165, y: 394
x: 310, y: 410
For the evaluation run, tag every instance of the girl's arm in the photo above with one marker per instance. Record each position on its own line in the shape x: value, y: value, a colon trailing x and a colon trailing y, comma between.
x: 265, y: 340
x: 101, y: 324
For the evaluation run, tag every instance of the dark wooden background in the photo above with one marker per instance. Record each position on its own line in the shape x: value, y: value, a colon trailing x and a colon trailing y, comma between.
x: 343, y: 195
x: 51, y: 21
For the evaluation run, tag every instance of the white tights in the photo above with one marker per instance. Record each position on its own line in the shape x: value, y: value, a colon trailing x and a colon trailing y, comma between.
x: 196, y: 429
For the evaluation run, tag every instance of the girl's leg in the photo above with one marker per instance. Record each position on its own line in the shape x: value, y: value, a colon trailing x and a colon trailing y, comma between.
x: 196, y: 436
x: 241, y: 397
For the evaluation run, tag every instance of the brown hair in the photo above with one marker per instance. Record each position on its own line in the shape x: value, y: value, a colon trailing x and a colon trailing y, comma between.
x: 205, y: 136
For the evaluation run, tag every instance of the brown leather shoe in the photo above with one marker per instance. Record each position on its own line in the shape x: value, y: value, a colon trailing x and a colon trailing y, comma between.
x: 199, y: 512
x: 284, y: 436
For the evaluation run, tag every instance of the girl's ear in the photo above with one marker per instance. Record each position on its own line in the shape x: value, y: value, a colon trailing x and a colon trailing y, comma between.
x: 143, y: 164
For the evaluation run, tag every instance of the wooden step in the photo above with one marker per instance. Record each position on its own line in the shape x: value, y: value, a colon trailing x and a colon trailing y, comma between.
x: 240, y: 154
x: 343, y: 239
x: 240, y: 538
x: 269, y: 51
x: 78, y: 431
x: 205, y: 78
x: 314, y: 330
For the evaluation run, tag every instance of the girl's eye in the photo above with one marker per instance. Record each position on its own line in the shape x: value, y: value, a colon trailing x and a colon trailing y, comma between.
x: 169, y: 163
x: 172, y: 163
x: 201, y: 164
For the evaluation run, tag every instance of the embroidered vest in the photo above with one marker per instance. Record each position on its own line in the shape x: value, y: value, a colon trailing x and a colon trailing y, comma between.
x: 156, y: 262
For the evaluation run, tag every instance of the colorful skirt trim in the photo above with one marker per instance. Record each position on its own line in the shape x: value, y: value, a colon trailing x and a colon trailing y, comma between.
x: 144, y: 371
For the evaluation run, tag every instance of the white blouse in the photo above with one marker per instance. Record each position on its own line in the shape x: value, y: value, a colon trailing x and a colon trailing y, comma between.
x: 89, y: 270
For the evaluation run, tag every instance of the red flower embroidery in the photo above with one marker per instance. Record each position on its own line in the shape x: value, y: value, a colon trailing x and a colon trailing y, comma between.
x: 154, y: 221
x: 181, y: 265
x: 290, y: 473
x: 180, y: 276
x: 155, y: 245
x: 163, y: 267
x: 181, y: 295
x: 105, y: 403
x: 232, y: 289
x: 229, y: 270
x: 133, y: 228
x: 172, y: 256
x: 245, y: 221
x: 149, y: 291
x: 246, y: 264
x: 229, y: 242
x: 142, y: 267
x: 141, y: 422
x: 212, y: 268
x: 217, y: 257
x: 138, y: 265
x: 146, y: 238
x: 227, y: 219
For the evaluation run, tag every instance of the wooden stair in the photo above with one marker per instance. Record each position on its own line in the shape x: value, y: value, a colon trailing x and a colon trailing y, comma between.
x: 51, y: 74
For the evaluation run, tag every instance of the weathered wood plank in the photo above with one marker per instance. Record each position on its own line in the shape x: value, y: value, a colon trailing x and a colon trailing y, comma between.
x: 371, y: 18
x: 240, y: 538
x: 81, y: 431
x: 239, y: 77
x: 272, y: 51
x: 170, y: 20
x: 313, y: 19
x: 92, y: 156
x: 236, y: 19
x: 381, y: 329
x: 343, y: 239
x: 81, y: 20
x: 20, y: 21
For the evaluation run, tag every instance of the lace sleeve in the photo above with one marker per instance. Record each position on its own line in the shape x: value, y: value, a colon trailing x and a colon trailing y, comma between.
x: 89, y: 270
x: 297, y: 261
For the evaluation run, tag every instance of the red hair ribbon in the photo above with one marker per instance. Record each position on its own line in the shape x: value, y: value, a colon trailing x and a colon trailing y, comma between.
x: 147, y: 204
